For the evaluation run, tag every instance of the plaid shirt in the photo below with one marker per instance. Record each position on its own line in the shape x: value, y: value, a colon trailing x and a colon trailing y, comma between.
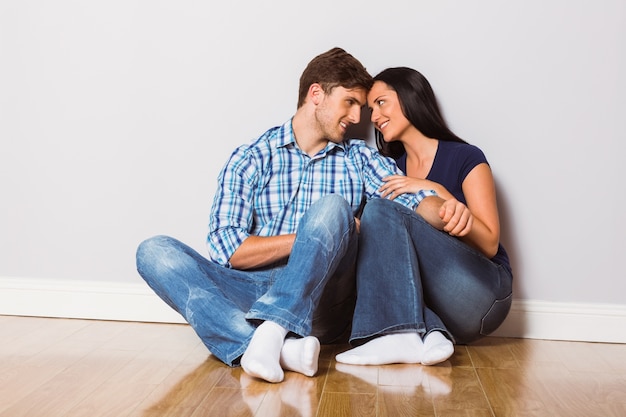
x: 266, y: 187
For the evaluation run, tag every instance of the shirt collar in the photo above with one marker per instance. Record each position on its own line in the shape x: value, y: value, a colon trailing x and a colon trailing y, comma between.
x: 287, y: 137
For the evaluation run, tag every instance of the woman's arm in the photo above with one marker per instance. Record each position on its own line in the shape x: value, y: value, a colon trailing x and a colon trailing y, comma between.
x: 480, y: 193
x: 476, y: 224
x: 399, y: 184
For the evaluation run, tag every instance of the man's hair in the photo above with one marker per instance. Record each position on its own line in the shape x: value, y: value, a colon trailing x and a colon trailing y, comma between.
x: 334, y: 68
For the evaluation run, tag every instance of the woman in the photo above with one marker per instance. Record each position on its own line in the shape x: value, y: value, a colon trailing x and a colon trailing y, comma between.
x: 445, y: 277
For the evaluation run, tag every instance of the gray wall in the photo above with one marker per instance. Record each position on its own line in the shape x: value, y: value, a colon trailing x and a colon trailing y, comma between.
x: 116, y: 116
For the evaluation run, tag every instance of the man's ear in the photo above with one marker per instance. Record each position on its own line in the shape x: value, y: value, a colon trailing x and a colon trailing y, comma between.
x: 316, y: 93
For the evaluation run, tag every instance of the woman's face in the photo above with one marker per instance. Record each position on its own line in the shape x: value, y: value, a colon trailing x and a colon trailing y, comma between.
x: 387, y: 115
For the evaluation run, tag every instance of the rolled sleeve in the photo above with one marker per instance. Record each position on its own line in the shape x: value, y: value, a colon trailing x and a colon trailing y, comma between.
x: 413, y: 200
x: 378, y: 167
x: 422, y: 194
x: 231, y: 214
x: 223, y: 242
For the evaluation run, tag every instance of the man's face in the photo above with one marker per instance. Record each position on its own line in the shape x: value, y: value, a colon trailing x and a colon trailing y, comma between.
x: 338, y: 110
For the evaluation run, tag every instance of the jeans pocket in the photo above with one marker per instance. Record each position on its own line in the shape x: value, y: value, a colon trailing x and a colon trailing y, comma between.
x: 496, y: 315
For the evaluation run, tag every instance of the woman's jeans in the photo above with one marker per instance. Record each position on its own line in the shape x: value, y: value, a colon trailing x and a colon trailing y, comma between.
x: 411, y: 276
x: 313, y: 293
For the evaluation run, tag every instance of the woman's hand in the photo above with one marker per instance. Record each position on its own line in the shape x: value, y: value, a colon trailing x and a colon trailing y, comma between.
x: 457, y: 218
x: 479, y: 227
x: 399, y: 184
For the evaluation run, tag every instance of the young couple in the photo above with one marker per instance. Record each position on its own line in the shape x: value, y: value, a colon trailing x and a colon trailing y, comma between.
x: 314, y: 237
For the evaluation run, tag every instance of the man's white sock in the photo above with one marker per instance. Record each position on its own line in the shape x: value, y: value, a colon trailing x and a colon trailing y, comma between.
x: 300, y: 355
x: 261, y: 358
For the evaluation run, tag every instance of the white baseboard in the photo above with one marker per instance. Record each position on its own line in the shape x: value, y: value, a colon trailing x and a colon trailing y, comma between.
x: 136, y: 302
x: 565, y: 321
x: 83, y: 300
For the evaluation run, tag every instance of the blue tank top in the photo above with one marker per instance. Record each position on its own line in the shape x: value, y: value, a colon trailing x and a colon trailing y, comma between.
x: 453, y: 161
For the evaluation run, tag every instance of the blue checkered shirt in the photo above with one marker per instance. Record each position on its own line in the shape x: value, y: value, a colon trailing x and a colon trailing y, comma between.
x: 266, y: 186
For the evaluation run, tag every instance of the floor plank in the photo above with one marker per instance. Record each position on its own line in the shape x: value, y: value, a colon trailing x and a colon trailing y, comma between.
x: 60, y: 367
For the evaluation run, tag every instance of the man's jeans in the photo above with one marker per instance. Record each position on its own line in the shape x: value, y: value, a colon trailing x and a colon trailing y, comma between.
x: 411, y: 276
x: 313, y: 293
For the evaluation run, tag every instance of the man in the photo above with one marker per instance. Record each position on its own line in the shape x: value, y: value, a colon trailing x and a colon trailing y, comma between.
x: 282, y: 234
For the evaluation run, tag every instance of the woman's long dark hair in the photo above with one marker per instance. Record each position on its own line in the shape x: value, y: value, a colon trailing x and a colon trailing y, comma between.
x: 419, y: 105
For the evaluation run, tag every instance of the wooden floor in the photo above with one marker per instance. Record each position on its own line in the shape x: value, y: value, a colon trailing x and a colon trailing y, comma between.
x: 57, y: 367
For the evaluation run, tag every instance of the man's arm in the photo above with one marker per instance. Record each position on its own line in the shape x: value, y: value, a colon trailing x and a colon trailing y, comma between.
x: 258, y: 251
x: 232, y: 211
x: 429, y: 209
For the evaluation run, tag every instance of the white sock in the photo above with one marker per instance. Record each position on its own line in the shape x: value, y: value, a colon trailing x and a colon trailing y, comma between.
x: 261, y: 358
x: 391, y: 348
x: 437, y: 348
x: 300, y: 355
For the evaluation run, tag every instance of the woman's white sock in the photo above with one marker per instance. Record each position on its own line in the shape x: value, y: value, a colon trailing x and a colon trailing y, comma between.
x: 437, y: 348
x: 391, y: 348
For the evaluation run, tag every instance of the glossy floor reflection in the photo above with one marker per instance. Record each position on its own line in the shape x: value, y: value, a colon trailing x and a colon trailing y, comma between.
x: 55, y: 367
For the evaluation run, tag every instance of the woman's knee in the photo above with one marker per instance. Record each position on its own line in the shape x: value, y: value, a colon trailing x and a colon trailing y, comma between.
x: 377, y: 206
x: 380, y: 208
x: 380, y: 215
